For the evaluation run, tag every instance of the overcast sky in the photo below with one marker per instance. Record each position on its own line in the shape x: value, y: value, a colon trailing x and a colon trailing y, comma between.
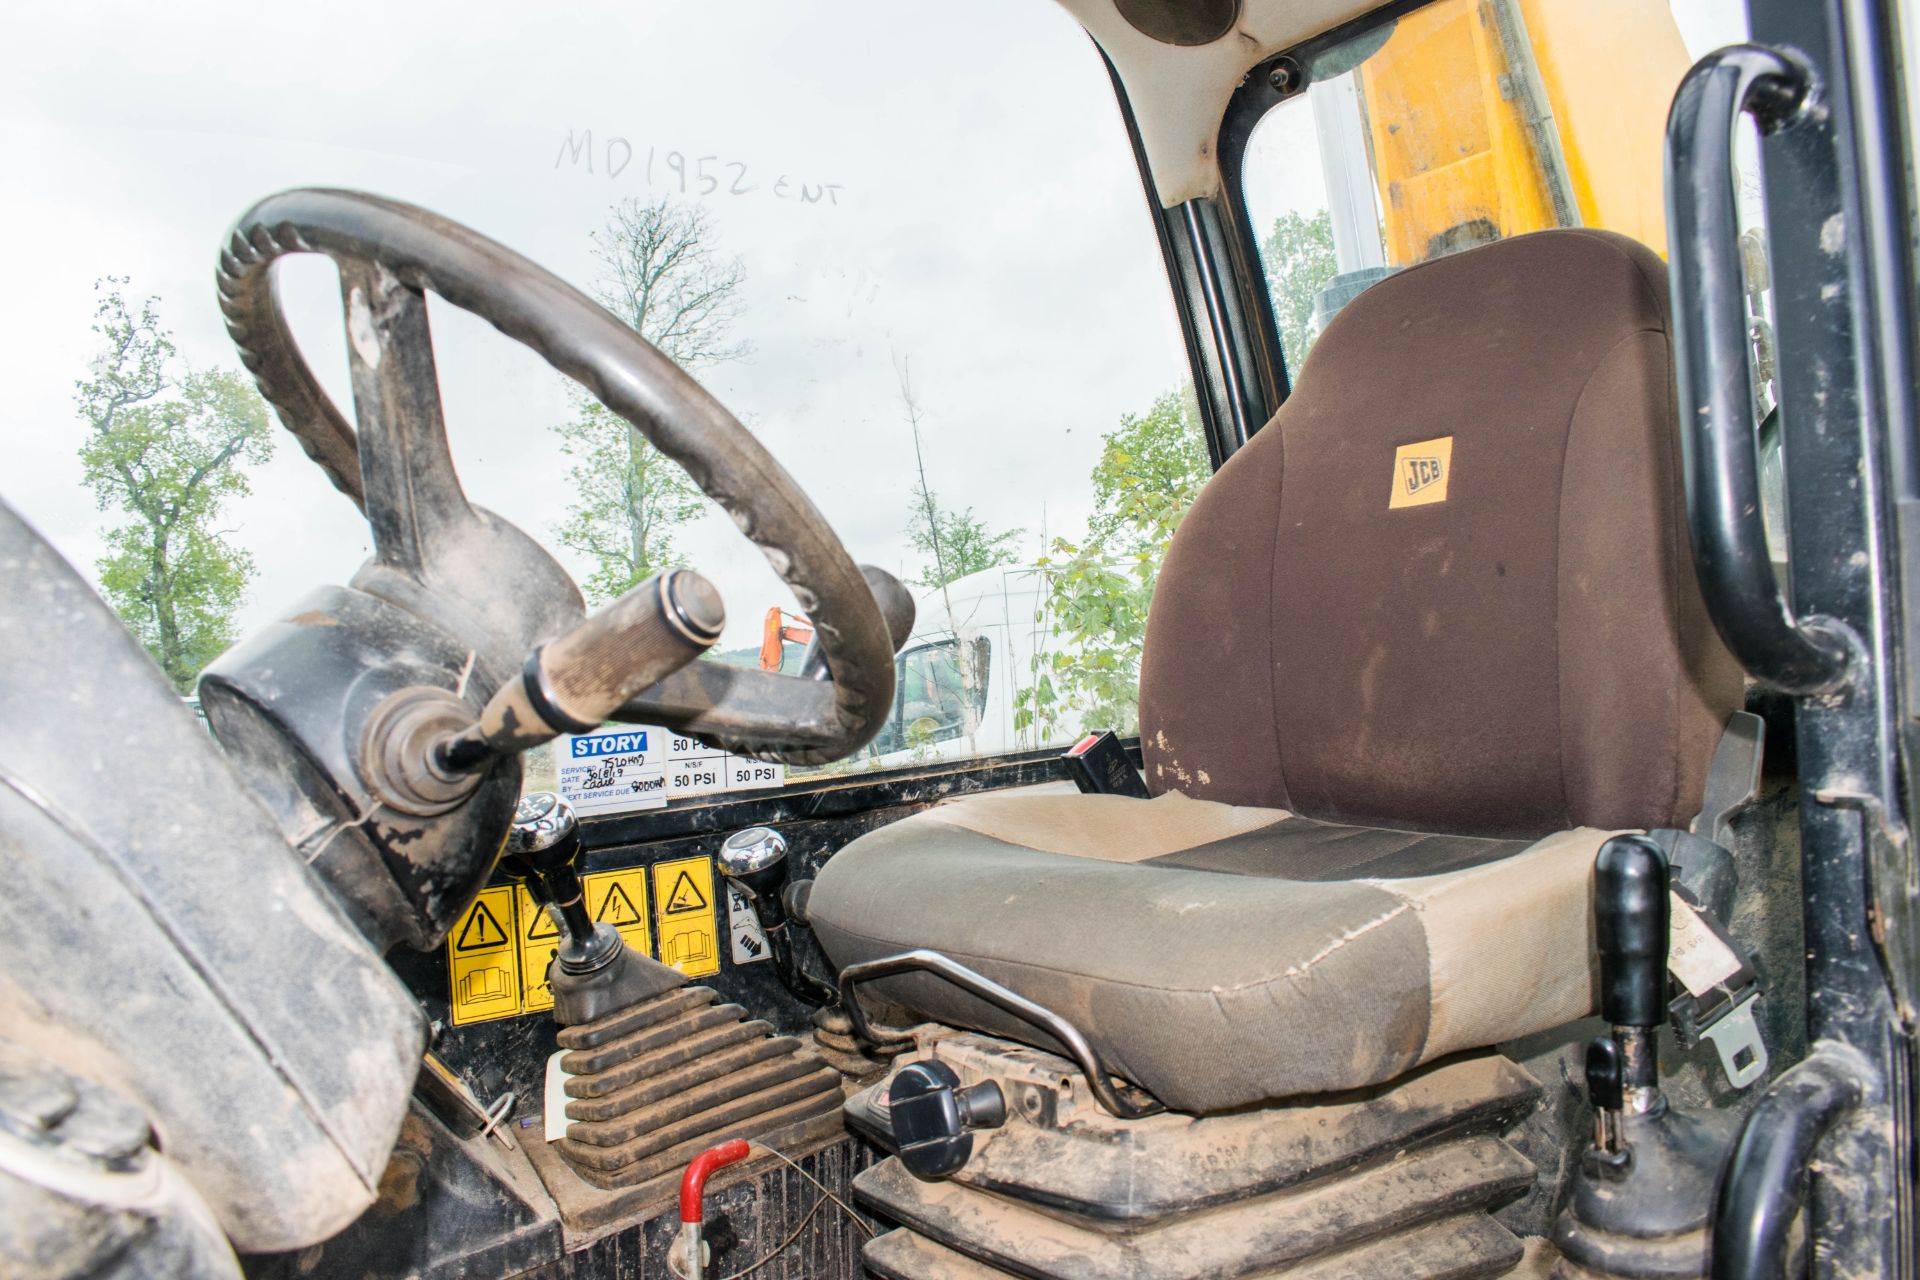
x: 988, y: 227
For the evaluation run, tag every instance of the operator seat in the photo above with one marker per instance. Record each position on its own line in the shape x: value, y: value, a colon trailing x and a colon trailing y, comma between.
x: 1418, y: 650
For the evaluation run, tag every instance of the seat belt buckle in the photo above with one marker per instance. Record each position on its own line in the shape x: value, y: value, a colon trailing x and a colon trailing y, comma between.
x: 1715, y: 991
x: 1098, y: 765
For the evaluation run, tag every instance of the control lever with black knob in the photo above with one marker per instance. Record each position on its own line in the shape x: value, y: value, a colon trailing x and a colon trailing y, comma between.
x: 1632, y: 916
x: 593, y: 972
x: 754, y: 862
x: 1642, y: 1196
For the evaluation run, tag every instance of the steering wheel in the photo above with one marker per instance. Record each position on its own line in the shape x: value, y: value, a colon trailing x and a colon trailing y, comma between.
x: 487, y: 581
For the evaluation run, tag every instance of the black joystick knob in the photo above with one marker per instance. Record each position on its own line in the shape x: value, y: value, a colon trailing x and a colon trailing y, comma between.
x: 543, y: 848
x: 933, y: 1117
x: 1631, y: 919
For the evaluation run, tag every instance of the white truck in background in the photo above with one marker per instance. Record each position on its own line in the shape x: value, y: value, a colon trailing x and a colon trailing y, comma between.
x: 992, y: 619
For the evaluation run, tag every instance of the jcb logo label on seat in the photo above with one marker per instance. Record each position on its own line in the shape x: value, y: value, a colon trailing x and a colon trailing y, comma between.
x: 1421, y: 472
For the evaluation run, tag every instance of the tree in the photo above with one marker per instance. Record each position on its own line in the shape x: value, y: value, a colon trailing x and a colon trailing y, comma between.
x: 659, y: 273
x: 959, y: 544
x: 955, y: 543
x: 166, y: 446
x: 1299, y: 261
x: 629, y: 498
x: 1149, y: 471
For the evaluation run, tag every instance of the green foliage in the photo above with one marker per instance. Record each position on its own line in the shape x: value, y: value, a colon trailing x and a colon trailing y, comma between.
x: 165, y: 449
x: 629, y: 498
x: 955, y: 543
x: 660, y: 274
x: 1149, y: 471
x: 1299, y: 261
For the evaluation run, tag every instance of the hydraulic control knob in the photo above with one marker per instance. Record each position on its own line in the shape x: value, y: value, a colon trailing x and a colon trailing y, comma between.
x: 934, y: 1117
x: 754, y: 861
x: 543, y: 847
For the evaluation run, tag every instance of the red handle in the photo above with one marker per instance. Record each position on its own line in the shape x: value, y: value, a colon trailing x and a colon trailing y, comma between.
x: 693, y: 1183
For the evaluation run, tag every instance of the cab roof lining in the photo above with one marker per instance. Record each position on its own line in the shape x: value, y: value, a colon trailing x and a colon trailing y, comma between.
x: 1180, y: 93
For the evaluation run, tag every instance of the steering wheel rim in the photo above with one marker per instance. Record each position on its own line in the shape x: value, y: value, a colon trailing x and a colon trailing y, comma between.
x: 390, y: 254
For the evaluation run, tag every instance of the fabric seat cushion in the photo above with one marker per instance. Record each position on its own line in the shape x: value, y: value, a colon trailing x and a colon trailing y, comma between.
x: 1220, y: 955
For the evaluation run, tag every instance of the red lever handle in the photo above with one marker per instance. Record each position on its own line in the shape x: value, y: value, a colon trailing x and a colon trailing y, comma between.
x: 693, y: 1183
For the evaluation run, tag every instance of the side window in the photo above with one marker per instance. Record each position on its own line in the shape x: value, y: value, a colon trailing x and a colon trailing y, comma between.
x: 863, y: 273
x: 1460, y: 123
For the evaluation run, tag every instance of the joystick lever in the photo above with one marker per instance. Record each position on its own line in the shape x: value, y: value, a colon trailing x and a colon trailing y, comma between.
x: 1631, y: 919
x: 543, y: 849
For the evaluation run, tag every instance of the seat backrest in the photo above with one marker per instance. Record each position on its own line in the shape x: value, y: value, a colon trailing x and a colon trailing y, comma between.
x: 1448, y: 587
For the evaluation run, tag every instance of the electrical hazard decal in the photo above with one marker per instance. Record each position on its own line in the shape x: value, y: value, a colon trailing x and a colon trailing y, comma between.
x: 483, y: 959
x: 619, y: 898
x: 689, y: 931
x: 1421, y: 472
x: 500, y: 952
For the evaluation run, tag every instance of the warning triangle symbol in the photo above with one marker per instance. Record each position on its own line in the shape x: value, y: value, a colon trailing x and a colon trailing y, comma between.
x: 481, y: 931
x: 543, y: 926
x: 685, y: 897
x: 617, y: 908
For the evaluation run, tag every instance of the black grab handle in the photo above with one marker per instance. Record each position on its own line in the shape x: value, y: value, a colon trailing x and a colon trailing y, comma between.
x: 1718, y: 441
x: 1766, y: 1178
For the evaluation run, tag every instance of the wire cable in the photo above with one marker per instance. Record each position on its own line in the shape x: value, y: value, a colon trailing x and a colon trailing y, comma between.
x: 824, y: 1196
x: 821, y: 1186
x: 782, y: 1246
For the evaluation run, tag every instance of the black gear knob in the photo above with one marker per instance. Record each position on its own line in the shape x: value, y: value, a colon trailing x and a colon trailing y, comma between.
x: 1631, y: 918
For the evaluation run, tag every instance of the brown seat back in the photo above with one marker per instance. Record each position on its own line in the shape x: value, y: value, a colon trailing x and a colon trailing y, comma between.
x: 1448, y: 587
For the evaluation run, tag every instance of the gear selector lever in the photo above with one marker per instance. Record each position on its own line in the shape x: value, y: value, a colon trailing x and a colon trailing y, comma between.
x: 575, y: 682
x: 754, y: 861
x: 593, y: 972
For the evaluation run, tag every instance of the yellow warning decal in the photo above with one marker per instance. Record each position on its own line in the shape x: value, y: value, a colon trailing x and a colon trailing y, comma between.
x: 1421, y: 472
x: 689, y: 935
x: 539, y: 939
x: 483, y: 960
x: 619, y: 898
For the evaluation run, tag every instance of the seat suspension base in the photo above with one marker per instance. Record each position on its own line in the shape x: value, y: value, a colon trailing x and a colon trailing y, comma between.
x: 1400, y: 1180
